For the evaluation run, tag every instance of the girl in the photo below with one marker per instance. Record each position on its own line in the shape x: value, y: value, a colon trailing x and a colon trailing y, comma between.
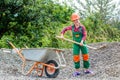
x: 79, y: 35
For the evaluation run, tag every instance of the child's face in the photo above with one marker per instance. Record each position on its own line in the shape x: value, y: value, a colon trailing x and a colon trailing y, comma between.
x: 76, y: 22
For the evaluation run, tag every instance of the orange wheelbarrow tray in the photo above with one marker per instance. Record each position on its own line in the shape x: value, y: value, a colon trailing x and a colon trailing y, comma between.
x: 50, y: 60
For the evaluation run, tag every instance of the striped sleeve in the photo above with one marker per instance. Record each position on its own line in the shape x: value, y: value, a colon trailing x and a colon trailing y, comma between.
x: 66, y: 29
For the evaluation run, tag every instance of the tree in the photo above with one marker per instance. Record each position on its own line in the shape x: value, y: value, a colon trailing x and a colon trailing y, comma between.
x: 98, y: 16
x: 34, y: 22
x: 105, y: 8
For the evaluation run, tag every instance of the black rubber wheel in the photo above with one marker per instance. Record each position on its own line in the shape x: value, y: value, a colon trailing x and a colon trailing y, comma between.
x: 51, y: 72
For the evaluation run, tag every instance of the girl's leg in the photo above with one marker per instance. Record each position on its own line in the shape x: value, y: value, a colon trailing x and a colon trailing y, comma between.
x: 76, y: 59
x: 76, y: 56
x: 86, y: 62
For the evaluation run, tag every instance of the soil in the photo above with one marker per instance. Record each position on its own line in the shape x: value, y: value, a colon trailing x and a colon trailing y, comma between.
x: 105, y: 63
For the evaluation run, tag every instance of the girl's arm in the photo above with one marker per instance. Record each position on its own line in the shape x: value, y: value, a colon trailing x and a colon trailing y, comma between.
x: 66, y: 29
x: 84, y: 33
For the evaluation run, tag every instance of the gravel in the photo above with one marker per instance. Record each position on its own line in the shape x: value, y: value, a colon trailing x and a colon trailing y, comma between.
x: 105, y: 63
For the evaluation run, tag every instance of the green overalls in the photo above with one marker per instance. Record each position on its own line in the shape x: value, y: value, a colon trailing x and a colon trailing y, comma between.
x: 77, y: 36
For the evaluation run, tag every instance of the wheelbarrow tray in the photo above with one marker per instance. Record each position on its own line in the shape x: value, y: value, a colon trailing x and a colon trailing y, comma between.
x: 37, y: 54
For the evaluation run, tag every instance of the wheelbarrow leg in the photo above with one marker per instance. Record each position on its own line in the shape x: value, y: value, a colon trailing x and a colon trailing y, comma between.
x: 31, y: 69
x: 39, y: 69
x: 36, y: 67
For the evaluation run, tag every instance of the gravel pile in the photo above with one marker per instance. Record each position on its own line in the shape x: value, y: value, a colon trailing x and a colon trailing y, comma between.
x: 105, y: 63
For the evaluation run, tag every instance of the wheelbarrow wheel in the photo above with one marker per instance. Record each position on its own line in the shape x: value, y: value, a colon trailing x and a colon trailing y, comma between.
x: 51, y: 72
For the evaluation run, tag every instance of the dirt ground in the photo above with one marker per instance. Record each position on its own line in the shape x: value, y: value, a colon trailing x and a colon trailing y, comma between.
x: 105, y: 63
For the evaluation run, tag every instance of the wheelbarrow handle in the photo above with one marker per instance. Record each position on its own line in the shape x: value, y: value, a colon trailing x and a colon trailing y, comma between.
x: 18, y: 51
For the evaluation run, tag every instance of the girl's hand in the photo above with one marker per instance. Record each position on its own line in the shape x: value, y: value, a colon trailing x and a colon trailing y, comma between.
x: 62, y: 36
x: 81, y: 43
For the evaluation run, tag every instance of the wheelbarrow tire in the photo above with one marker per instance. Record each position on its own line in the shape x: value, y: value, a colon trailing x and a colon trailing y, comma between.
x: 55, y: 73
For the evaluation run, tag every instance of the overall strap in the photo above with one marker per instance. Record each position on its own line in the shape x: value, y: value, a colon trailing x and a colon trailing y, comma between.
x: 80, y: 28
x: 73, y: 28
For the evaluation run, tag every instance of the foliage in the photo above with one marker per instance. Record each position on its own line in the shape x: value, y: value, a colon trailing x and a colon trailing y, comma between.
x: 100, y: 18
x: 34, y: 23
x: 99, y: 31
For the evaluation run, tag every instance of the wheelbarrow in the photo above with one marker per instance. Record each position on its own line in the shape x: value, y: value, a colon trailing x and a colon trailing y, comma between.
x: 50, y: 60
